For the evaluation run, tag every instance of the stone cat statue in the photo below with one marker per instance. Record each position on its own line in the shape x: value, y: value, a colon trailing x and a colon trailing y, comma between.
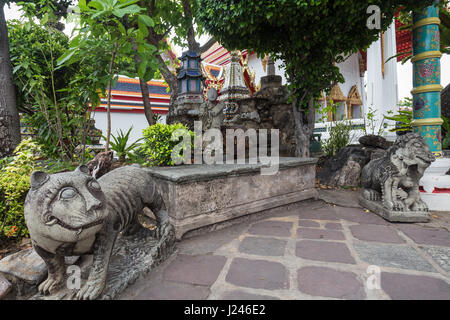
x: 72, y: 213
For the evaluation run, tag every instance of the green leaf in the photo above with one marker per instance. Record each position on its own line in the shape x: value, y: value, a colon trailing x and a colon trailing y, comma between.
x: 65, y: 57
x: 146, y: 20
x: 142, y: 69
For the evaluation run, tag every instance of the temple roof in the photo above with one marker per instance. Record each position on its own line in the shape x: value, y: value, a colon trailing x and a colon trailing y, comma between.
x: 190, y: 54
x: 193, y: 73
x: 126, y: 96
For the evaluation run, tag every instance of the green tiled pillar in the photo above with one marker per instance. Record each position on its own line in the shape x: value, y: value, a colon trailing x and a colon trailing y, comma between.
x: 427, y: 78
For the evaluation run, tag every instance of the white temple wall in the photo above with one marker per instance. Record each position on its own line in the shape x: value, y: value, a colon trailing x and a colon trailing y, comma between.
x: 123, y: 121
x: 382, y: 91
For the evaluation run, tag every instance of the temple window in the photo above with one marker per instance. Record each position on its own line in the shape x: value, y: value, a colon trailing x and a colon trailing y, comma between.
x: 354, y: 104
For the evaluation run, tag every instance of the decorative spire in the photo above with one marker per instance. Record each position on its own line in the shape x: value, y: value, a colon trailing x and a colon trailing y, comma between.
x: 234, y: 86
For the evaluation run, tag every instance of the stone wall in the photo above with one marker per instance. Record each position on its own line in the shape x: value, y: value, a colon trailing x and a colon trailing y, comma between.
x: 199, y: 196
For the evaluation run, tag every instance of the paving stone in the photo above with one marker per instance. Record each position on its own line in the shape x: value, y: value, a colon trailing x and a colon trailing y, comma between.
x: 394, y: 256
x: 263, y: 246
x: 242, y: 295
x: 307, y: 233
x: 326, y: 213
x: 166, y: 290
x: 308, y: 224
x: 428, y: 236
x: 272, y: 228
x: 5, y: 287
x: 359, y: 216
x: 412, y: 287
x: 371, y: 232
x: 440, y: 255
x: 333, y: 226
x: 258, y: 274
x: 324, y: 251
x: 199, y: 269
x: 327, y: 282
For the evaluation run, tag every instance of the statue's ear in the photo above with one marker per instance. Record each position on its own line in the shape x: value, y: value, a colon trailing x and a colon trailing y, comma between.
x: 83, y: 169
x: 38, y: 178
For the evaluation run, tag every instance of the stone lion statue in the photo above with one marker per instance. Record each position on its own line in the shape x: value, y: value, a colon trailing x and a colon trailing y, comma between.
x: 73, y: 214
x: 393, y: 180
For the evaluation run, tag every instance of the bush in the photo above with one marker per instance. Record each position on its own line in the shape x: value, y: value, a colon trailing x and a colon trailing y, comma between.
x: 339, y: 138
x: 14, y: 185
x: 159, y: 142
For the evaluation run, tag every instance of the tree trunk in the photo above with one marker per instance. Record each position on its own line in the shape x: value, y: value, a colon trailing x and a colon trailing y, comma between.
x: 9, y: 115
x: 304, y: 127
x: 170, y: 78
x: 146, y: 99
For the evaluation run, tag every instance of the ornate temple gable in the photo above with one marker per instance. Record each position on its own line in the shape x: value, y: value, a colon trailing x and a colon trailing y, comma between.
x: 336, y: 94
x: 354, y: 98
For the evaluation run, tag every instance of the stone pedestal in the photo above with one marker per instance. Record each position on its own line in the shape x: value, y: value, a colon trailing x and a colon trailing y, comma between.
x: 395, y: 216
x: 436, y: 186
x: 199, y: 196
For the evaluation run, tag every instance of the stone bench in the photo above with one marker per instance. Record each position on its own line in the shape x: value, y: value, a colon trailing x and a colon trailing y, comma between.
x: 203, y: 195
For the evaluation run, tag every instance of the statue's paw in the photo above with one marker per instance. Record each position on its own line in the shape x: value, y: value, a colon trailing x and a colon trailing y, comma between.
x: 51, y: 285
x: 163, y: 230
x: 394, y: 205
x: 90, y: 291
x: 398, y: 206
x: 420, y: 206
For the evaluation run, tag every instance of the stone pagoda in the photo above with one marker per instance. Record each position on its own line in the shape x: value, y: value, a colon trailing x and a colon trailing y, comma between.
x: 190, y: 97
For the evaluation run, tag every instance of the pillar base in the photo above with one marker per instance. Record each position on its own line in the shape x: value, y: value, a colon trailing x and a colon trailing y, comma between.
x: 435, y: 186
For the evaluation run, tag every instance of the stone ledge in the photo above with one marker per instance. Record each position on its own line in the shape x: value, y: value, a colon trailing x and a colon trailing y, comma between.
x: 201, y: 172
x: 198, y: 196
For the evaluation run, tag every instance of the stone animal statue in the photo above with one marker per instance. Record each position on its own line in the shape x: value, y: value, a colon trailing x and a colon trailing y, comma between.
x: 394, y: 178
x: 71, y: 214
x: 101, y: 164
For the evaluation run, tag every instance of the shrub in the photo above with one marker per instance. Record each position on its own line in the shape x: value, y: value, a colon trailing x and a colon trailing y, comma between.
x: 14, y: 185
x: 339, y: 138
x: 120, y: 144
x: 159, y: 142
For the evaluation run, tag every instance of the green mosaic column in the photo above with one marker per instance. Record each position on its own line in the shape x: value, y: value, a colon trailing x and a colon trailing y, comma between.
x: 427, y: 78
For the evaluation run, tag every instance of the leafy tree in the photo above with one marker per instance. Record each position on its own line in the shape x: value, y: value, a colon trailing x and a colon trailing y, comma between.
x: 116, y: 28
x: 309, y: 36
x: 177, y: 19
x: 9, y: 116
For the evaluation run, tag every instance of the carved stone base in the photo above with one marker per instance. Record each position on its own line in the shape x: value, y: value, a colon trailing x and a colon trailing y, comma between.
x: 394, y: 216
x: 132, y: 257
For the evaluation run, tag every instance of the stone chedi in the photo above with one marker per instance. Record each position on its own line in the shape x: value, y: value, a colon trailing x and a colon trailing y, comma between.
x: 73, y: 214
x: 390, y: 184
x: 234, y: 88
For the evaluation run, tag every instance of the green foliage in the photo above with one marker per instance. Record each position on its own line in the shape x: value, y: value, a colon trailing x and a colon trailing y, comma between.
x: 403, y: 118
x: 159, y: 142
x: 120, y: 144
x: 14, y: 185
x: 446, y: 138
x: 340, y: 131
x: 309, y: 36
x: 370, y: 123
x: 54, y: 99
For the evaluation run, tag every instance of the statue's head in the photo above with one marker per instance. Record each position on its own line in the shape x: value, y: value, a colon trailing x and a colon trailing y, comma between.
x: 413, y: 150
x: 66, y: 207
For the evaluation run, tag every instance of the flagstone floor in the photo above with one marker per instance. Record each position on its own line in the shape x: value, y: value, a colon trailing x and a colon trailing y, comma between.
x: 313, y: 250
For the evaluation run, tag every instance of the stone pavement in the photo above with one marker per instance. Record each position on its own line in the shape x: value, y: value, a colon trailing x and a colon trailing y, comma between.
x: 312, y: 250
